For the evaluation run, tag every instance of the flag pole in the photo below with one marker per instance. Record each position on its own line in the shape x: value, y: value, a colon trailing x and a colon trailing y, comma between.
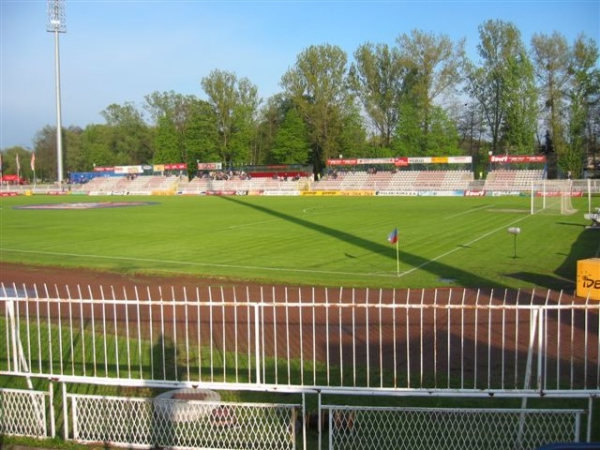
x: 397, y: 259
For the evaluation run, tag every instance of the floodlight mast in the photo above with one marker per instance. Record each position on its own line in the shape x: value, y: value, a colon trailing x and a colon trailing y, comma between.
x: 57, y: 24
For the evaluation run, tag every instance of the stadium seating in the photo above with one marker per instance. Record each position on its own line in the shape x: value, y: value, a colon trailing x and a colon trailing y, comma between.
x: 381, y: 180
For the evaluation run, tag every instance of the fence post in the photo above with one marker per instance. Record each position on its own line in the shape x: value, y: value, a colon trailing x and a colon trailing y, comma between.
x: 257, y: 341
x: 10, y: 311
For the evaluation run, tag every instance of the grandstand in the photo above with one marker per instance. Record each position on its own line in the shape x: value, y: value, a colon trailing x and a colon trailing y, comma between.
x: 508, y: 175
x: 512, y: 180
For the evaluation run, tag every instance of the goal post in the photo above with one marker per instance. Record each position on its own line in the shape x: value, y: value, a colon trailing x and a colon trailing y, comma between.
x: 553, y: 196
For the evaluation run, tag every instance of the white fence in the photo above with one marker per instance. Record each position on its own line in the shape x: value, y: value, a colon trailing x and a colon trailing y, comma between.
x: 446, y: 340
x: 381, y: 428
x: 401, y: 343
x: 155, y: 423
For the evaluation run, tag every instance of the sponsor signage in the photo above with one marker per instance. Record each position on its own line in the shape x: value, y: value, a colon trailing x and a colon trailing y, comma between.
x: 401, y: 161
x: 588, y: 278
x: 517, y: 159
x: 210, y: 166
x: 104, y: 169
x: 178, y: 166
x: 128, y: 170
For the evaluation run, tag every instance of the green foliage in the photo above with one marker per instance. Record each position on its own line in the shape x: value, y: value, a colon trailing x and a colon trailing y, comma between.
x: 377, y: 77
x: 235, y: 102
x: 317, y: 86
x: 290, y: 145
x: 166, y: 142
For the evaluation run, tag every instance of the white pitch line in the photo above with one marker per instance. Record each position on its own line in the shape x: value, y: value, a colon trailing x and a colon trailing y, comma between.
x: 467, y: 212
x: 188, y: 263
x: 460, y: 248
x: 252, y: 224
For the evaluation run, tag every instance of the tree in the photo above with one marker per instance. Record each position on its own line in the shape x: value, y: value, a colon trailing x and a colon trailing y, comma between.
x: 187, y: 117
x: 74, y: 154
x: 434, y: 63
x: 167, y: 142
x: 235, y: 102
x: 44, y: 145
x: 520, y: 106
x: 96, y: 142
x: 441, y: 137
x: 584, y: 95
x: 552, y: 59
x: 131, y: 140
x: 291, y: 144
x: 569, y: 82
x: 500, y: 48
x: 377, y: 77
x: 201, y: 138
x: 317, y: 84
x: 15, y: 161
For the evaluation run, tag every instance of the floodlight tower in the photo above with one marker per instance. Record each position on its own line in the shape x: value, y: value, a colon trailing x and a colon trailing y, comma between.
x: 57, y: 24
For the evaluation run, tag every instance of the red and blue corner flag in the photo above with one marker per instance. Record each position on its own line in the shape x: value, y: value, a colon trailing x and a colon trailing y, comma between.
x: 393, y: 236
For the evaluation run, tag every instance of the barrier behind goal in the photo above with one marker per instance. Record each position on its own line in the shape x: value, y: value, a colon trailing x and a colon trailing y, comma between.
x: 553, y: 197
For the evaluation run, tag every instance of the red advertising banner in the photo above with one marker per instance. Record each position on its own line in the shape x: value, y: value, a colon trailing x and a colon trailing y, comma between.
x: 517, y: 159
x: 210, y: 166
x: 178, y: 166
x: 342, y: 162
x: 401, y: 162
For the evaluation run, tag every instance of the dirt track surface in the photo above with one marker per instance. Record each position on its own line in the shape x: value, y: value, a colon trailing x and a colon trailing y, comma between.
x: 56, y: 279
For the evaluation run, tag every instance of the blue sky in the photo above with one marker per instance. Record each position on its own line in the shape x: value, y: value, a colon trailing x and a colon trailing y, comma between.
x: 120, y: 51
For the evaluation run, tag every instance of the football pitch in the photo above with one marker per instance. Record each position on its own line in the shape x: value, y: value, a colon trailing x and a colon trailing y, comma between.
x: 321, y: 241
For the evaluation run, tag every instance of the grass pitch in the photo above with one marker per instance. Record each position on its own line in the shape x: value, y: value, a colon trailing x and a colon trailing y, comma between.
x: 326, y: 241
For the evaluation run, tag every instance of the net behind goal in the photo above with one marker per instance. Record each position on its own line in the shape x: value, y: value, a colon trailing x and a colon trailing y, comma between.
x: 553, y: 196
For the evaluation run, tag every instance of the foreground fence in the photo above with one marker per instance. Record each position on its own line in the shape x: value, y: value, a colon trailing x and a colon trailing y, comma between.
x: 309, y: 341
x: 463, y: 340
x: 448, y: 428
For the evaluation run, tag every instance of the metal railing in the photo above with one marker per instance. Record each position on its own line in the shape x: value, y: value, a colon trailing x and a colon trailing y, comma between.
x: 395, y: 428
x: 154, y: 423
x: 445, y: 341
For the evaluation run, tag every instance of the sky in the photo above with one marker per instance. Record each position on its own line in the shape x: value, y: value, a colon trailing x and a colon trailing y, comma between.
x: 119, y: 51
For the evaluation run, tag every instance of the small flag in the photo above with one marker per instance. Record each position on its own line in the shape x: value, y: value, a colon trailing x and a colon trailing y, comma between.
x: 33, y: 162
x: 393, y: 236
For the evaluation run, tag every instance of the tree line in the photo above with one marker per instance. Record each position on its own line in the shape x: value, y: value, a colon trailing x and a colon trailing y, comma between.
x: 421, y: 96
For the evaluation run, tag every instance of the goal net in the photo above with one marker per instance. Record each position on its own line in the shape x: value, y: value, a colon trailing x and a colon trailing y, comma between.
x: 553, y: 197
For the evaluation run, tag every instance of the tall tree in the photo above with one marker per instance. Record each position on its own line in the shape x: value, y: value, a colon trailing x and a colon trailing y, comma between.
x: 291, y: 144
x: 377, y: 77
x: 201, y: 138
x: 75, y: 157
x: 520, y: 106
x: 167, y: 142
x: 500, y: 43
x: 435, y: 65
x: 552, y: 60
x: 132, y: 140
x: 317, y: 84
x: 584, y: 97
x: 44, y: 145
x: 186, y: 114
x: 96, y: 144
x: 235, y: 102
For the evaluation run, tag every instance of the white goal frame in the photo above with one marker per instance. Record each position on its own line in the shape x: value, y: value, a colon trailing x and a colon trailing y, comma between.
x: 553, y: 196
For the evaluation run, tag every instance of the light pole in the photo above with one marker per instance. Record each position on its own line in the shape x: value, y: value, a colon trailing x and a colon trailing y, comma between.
x: 57, y: 24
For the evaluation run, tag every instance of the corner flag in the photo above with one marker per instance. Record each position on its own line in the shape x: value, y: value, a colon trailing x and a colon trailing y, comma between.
x: 393, y: 239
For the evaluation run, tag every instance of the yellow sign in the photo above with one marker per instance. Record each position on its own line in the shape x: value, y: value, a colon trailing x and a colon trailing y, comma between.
x: 588, y: 278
